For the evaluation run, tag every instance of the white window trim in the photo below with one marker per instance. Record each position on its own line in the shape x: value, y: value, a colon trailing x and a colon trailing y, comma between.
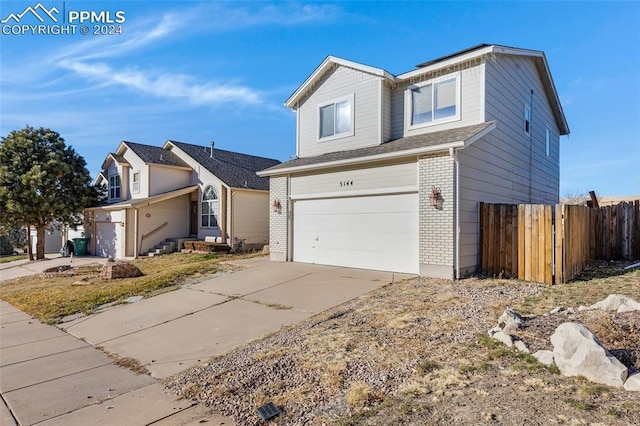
x: 408, y: 102
x: 527, y: 107
x: 350, y: 98
x: 216, y: 214
x: 110, y: 187
x: 547, y: 136
x: 133, y: 182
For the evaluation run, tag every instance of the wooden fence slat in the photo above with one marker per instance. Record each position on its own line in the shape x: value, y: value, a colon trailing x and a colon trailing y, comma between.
x: 521, y: 238
x: 546, y: 244
x: 559, y: 239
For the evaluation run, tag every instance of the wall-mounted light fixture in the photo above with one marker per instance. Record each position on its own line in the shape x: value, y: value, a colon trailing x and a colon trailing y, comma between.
x: 276, y: 206
x: 436, y: 197
x: 148, y: 215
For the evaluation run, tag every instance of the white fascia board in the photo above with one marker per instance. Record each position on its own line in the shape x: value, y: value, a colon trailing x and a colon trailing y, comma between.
x: 447, y: 62
x: 100, y: 176
x: 548, y: 81
x: 121, y: 147
x: 170, y: 166
x: 162, y: 197
x: 322, y: 68
x: 366, y: 159
x: 479, y: 135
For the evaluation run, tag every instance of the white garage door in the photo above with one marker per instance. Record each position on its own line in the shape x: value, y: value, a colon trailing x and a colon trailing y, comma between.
x: 106, y: 239
x: 376, y: 232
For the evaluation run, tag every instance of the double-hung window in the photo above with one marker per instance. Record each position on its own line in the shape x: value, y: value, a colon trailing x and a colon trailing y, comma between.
x: 135, y: 188
x: 433, y: 102
x: 114, y: 187
x: 527, y: 119
x: 209, y: 206
x: 335, y: 119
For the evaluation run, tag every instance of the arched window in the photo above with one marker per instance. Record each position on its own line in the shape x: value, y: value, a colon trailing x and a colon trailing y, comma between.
x: 209, y: 207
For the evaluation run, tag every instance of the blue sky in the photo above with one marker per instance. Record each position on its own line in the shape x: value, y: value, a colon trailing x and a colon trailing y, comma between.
x: 202, y: 71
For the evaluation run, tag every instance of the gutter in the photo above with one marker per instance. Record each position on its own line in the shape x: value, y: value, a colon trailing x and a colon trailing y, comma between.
x: 385, y: 156
x: 359, y: 160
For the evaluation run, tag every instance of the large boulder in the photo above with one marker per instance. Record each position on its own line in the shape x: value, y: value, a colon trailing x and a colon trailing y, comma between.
x: 119, y: 269
x: 617, y: 303
x: 577, y: 352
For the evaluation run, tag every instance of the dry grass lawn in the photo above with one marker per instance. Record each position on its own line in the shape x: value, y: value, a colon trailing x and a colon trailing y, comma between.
x: 50, y: 299
x: 5, y: 259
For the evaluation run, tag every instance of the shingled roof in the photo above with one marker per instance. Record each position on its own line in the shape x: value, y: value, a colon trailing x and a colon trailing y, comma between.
x: 410, y: 145
x: 234, y: 169
x: 155, y: 155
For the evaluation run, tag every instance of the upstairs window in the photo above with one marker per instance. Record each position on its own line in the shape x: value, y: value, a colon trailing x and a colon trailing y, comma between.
x: 527, y: 119
x: 335, y: 119
x: 433, y: 102
x: 548, y: 142
x: 135, y: 188
x: 114, y: 187
x: 209, y: 207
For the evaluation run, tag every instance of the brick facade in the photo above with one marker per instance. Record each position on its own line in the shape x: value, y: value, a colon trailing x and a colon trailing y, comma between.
x: 437, y: 226
x: 278, y: 239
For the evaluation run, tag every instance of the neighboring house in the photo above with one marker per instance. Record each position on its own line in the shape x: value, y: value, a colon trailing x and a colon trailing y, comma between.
x: 55, y: 236
x: 390, y: 169
x: 175, y: 192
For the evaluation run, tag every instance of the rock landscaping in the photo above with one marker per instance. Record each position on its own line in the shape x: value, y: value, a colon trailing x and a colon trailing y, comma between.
x: 417, y: 353
x: 576, y: 350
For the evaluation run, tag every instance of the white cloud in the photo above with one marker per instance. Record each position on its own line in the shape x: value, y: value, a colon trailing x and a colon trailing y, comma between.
x: 81, y: 58
x: 167, y: 85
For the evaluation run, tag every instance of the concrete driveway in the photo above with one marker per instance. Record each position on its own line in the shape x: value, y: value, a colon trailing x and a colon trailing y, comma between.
x: 176, y: 330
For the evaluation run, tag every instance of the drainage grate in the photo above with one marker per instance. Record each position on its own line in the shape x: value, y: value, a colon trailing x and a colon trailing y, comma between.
x: 268, y: 411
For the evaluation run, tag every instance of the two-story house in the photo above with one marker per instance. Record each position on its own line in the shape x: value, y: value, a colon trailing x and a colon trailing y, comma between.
x: 389, y: 169
x: 178, y: 191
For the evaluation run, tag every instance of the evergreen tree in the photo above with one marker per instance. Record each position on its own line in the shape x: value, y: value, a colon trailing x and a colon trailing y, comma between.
x: 41, y: 180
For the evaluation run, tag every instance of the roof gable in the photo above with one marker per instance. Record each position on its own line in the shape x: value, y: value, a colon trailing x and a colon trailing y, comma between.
x: 114, y: 158
x: 441, y: 63
x: 329, y: 63
x: 236, y: 170
x: 152, y: 154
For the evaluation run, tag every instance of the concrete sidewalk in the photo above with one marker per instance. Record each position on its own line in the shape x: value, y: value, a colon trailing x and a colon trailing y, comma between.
x: 176, y: 330
x: 48, y: 377
x: 24, y: 267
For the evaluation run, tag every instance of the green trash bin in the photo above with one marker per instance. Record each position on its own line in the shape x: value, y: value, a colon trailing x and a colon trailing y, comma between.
x: 80, y: 246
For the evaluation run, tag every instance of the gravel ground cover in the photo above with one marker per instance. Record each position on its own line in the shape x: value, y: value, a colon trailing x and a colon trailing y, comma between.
x: 417, y: 352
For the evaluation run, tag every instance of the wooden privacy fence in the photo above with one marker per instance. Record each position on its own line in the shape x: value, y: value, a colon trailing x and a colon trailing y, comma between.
x: 550, y: 244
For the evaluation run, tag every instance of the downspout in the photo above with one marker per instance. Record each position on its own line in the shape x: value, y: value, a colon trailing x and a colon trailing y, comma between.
x: 531, y: 148
x: 289, y: 221
x: 297, y: 111
x: 231, y: 219
x: 454, y: 155
x: 136, y: 226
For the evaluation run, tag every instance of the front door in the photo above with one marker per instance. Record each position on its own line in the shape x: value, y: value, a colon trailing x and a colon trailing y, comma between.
x: 194, y: 218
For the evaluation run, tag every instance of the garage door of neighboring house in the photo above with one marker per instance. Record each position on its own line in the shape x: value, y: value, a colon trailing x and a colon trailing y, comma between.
x: 372, y: 232
x: 106, y: 239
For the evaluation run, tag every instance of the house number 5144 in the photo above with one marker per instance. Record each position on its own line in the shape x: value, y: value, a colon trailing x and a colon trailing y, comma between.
x: 346, y: 183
